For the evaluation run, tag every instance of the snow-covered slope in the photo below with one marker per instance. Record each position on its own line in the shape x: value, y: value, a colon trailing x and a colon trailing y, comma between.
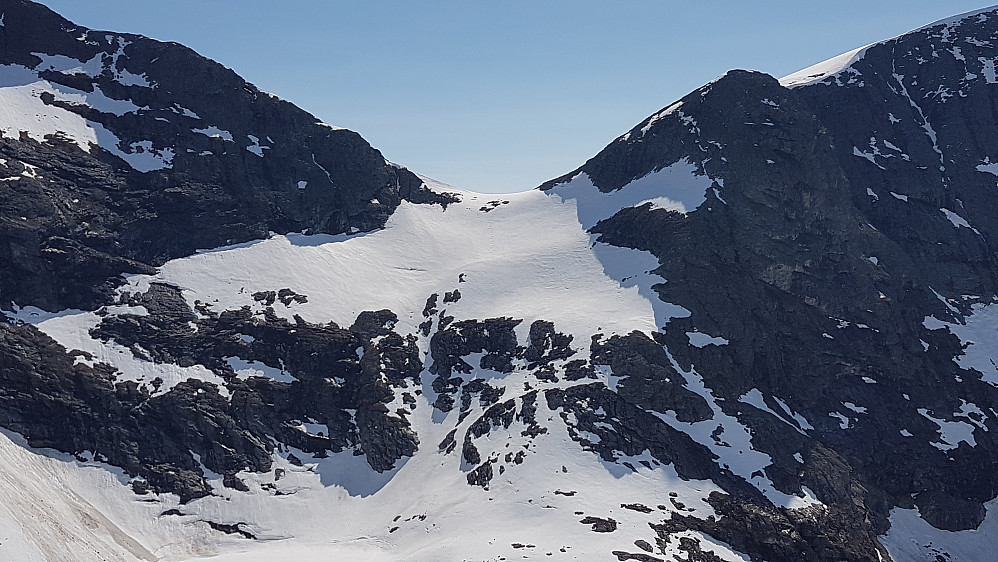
x: 524, y: 255
x: 523, y: 258
x: 757, y: 326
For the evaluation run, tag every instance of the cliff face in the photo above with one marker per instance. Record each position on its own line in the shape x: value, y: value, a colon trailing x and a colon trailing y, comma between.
x: 758, y: 325
x: 850, y: 221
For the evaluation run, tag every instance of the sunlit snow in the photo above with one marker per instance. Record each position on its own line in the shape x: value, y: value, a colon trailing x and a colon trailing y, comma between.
x: 679, y: 187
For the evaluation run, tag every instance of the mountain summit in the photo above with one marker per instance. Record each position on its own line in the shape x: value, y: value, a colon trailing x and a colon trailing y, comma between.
x: 760, y: 325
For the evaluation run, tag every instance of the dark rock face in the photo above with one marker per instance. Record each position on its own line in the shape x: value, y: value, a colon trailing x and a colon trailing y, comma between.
x: 55, y: 401
x: 259, y: 165
x: 842, y: 210
x: 600, y: 525
x: 652, y: 383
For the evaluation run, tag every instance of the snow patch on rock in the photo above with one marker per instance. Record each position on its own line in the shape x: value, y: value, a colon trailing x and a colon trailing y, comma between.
x: 679, y: 187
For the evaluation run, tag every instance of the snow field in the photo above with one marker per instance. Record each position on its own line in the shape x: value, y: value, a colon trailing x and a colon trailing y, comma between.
x: 528, y: 259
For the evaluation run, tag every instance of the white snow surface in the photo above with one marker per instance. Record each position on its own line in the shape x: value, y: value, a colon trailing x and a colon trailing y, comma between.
x: 977, y: 334
x: 733, y: 444
x: 910, y: 538
x: 824, y: 69
x: 755, y: 398
x: 950, y: 433
x: 423, y: 510
x: 525, y: 260
x: 23, y: 111
x: 679, y: 187
x: 214, y: 132
x: 952, y: 20
x: 988, y: 167
x: 89, y: 514
x: 245, y: 369
x: 532, y: 259
x: 700, y: 339
x: 956, y: 219
x: 71, y: 328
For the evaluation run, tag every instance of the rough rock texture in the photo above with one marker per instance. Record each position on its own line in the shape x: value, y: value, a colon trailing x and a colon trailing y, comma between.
x: 843, y: 214
x: 56, y: 401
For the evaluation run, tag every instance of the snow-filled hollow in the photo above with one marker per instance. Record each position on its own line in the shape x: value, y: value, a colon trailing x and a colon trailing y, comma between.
x: 525, y: 260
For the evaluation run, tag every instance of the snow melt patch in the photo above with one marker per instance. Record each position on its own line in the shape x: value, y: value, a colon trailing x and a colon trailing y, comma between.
x: 952, y: 22
x: 68, y: 65
x: 245, y: 369
x: 22, y: 110
x: 215, y: 133
x: 950, y: 433
x: 93, y: 67
x: 679, y: 187
x: 988, y: 69
x: 988, y: 167
x: 956, y: 219
x: 97, y: 100
x: 651, y: 120
x: 755, y: 399
x: 867, y: 155
x: 979, y: 336
x: 700, y: 339
x: 256, y: 147
x: 731, y: 441
x: 912, y: 538
x: 141, y: 156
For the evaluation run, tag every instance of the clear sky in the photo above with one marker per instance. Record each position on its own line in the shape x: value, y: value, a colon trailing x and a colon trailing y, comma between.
x: 503, y: 95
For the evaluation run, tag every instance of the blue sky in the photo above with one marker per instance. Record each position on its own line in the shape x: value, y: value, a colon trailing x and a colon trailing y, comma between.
x: 501, y: 96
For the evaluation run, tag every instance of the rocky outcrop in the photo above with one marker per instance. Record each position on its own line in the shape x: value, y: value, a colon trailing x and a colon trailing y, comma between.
x: 807, y: 243
x: 167, y: 437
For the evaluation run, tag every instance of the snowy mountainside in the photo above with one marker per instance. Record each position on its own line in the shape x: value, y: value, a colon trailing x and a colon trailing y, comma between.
x: 126, y: 152
x: 498, y: 414
x: 742, y: 331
